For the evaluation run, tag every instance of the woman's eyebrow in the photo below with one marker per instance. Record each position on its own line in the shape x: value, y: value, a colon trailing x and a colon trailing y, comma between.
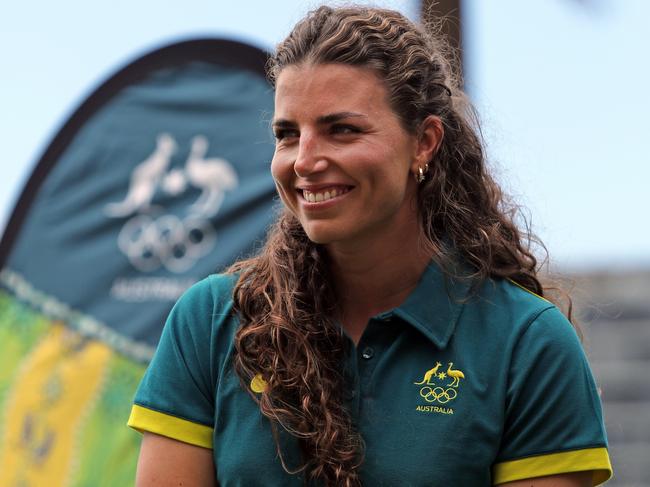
x: 282, y: 123
x: 335, y: 117
x: 322, y: 120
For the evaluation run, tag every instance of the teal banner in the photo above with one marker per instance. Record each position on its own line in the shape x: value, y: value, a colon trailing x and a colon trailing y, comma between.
x: 160, y: 178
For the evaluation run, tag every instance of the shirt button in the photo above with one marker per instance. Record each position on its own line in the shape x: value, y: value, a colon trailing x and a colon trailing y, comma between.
x: 368, y: 353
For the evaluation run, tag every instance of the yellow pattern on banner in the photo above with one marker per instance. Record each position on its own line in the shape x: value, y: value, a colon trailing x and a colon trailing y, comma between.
x: 56, y: 384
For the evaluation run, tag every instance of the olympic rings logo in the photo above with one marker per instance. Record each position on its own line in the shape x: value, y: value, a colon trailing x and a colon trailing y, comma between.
x: 168, y: 241
x: 440, y: 394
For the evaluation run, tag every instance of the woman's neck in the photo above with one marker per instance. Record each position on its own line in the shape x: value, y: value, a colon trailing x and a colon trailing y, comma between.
x: 375, y: 276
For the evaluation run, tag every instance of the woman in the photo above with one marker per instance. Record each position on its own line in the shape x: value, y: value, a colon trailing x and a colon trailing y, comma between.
x: 385, y: 335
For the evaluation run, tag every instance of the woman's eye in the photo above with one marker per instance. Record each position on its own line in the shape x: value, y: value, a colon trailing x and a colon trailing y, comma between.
x: 345, y: 129
x: 284, y: 133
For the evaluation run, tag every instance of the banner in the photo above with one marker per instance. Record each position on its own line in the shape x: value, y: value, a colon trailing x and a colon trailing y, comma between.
x: 160, y: 178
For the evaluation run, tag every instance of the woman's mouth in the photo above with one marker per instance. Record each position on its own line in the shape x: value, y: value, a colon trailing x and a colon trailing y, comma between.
x: 324, y: 194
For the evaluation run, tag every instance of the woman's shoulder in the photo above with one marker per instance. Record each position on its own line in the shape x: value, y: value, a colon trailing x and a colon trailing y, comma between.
x: 509, y: 295
x: 176, y: 395
x: 215, y: 288
x: 511, y: 309
x: 206, y: 308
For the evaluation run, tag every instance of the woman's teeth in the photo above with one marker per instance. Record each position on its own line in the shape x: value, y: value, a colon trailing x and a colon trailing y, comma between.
x: 323, y: 195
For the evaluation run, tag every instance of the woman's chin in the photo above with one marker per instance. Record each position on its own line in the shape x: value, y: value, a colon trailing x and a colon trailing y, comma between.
x: 321, y: 238
x: 324, y: 234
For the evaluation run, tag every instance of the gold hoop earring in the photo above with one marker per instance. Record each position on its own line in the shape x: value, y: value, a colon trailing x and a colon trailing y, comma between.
x: 419, y: 176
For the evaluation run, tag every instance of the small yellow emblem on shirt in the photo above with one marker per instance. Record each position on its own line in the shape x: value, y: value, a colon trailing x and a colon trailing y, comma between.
x: 258, y: 384
x: 436, y: 388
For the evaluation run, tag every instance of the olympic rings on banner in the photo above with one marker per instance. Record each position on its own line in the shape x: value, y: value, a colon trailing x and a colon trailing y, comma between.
x: 439, y: 394
x: 168, y: 241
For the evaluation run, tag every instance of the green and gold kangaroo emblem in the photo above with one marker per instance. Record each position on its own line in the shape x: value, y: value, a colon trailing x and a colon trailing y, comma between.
x: 428, y: 374
x: 435, y: 389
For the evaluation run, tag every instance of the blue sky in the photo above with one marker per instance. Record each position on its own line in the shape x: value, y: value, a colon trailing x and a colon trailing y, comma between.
x: 561, y: 86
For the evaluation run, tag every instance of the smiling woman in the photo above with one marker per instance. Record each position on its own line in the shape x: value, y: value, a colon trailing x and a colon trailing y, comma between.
x: 393, y: 329
x: 343, y: 159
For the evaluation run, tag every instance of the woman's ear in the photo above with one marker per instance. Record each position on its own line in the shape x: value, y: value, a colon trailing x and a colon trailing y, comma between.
x: 429, y: 138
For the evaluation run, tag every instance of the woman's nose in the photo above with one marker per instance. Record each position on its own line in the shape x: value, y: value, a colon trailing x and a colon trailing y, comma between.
x: 311, y: 156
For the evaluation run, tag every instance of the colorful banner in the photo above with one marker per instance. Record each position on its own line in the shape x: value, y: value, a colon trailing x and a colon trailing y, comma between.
x: 159, y: 178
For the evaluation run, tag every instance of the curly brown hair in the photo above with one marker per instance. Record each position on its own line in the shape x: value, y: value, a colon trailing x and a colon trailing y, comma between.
x: 285, y: 296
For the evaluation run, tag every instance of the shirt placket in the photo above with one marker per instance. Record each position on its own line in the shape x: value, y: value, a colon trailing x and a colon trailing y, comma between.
x: 368, y: 353
x: 352, y: 382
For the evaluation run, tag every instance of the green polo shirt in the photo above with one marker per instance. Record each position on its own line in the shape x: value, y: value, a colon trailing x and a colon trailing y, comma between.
x: 450, y: 388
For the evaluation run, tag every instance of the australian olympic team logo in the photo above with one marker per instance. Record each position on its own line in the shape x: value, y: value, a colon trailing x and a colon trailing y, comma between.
x: 150, y: 238
x: 439, y: 387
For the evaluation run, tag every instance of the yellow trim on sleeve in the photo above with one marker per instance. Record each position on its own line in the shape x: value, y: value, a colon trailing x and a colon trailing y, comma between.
x: 143, y: 419
x: 596, y: 459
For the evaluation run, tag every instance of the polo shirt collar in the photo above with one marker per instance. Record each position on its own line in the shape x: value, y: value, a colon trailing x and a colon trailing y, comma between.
x: 434, y: 306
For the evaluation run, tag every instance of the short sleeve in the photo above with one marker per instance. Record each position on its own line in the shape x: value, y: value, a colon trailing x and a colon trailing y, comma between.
x: 176, y: 395
x: 553, y: 421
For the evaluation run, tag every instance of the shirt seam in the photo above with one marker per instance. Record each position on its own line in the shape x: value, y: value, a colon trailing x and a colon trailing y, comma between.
x: 214, y: 381
x: 527, y: 327
x: 533, y: 319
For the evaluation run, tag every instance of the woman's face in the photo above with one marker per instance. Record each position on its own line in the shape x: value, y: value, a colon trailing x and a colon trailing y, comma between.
x: 342, y: 161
